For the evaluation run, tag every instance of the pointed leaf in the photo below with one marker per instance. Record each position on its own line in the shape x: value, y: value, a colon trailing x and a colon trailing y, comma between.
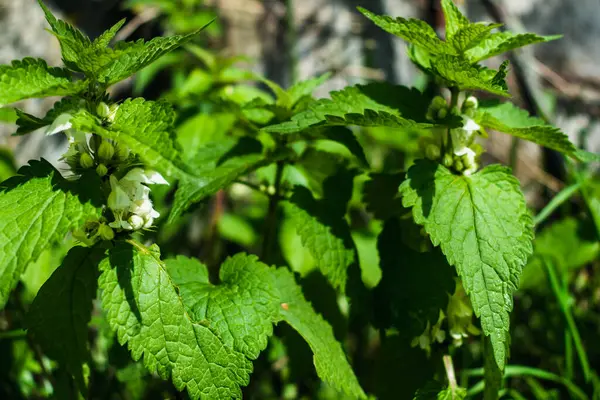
x: 240, y: 310
x: 508, y: 118
x: 457, y: 72
x: 374, y: 104
x: 455, y: 20
x: 482, y: 224
x: 58, y: 317
x: 471, y: 35
x: 104, y: 39
x: 28, y: 123
x: 501, y: 42
x: 414, y: 31
x: 306, y: 88
x: 143, y: 306
x: 31, y: 78
x: 38, y: 208
x: 329, y: 358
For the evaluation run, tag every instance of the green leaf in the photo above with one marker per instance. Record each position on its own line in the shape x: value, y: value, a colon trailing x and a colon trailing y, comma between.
x: 374, y: 104
x: 414, y: 287
x: 492, y: 374
x: 28, y: 123
x: 58, y: 317
x: 455, y: 20
x: 471, y: 35
x: 143, y: 306
x: 434, y: 390
x: 7, y: 164
x: 455, y: 71
x: 306, y: 88
x: 508, y: 118
x: 341, y: 135
x: 8, y: 115
x: 196, y: 132
x: 322, y: 227
x: 240, y: 310
x: 38, y: 208
x: 414, y: 31
x: 501, y: 42
x: 105, y: 38
x: 216, y: 166
x: 52, y: 206
x: 484, y: 229
x: 330, y: 361
x: 31, y: 78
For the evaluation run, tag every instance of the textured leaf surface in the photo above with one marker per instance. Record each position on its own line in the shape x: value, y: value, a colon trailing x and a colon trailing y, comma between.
x: 32, y: 77
x: 28, y: 123
x: 471, y: 35
x: 306, y: 88
x: 143, y: 306
x: 484, y: 229
x: 240, y: 310
x: 38, y: 208
x: 329, y: 358
x: 324, y: 232
x: 508, y: 118
x: 414, y: 31
x: 455, y: 20
x: 436, y: 391
x: 501, y: 42
x: 343, y: 136
x: 58, y: 317
x: 415, y: 286
x: 374, y: 104
x: 380, y: 195
x: 457, y: 72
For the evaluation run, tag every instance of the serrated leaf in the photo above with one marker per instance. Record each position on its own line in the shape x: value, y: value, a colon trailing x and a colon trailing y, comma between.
x: 104, y: 39
x: 374, y: 104
x: 31, y: 78
x: 7, y: 164
x: 483, y: 227
x: 240, y: 310
x: 469, y: 36
x: 508, y: 118
x: 414, y: 31
x: 58, y: 317
x: 455, y: 20
x: 414, y: 287
x: 325, y: 233
x: 501, y: 42
x: 341, y: 135
x: 330, y: 361
x: 38, y: 208
x: 142, y: 305
x: 28, y: 123
x: 455, y: 71
x: 306, y: 88
x: 436, y: 391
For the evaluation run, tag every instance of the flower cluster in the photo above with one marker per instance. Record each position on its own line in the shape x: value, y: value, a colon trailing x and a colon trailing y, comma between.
x: 460, y: 150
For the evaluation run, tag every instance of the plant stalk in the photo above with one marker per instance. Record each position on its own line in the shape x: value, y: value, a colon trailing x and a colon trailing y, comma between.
x: 271, y: 221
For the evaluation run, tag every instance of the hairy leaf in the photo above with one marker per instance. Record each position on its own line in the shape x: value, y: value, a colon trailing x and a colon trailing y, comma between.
x: 28, y: 123
x: 341, y: 135
x: 240, y: 310
x: 436, y: 391
x: 105, y: 38
x: 32, y: 77
x: 471, y: 35
x: 306, y: 88
x: 414, y: 31
x: 374, y: 104
x: 58, y: 317
x: 484, y: 229
x: 455, y: 71
x: 143, y: 306
x: 508, y: 118
x: 501, y: 42
x: 323, y: 229
x: 38, y: 208
x: 455, y: 20
x: 330, y: 361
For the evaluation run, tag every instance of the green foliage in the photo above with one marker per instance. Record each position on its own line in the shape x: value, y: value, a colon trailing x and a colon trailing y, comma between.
x: 435, y: 391
x: 456, y: 72
x: 484, y: 229
x: 59, y: 316
x: 37, y: 209
x: 28, y: 123
x: 502, y: 42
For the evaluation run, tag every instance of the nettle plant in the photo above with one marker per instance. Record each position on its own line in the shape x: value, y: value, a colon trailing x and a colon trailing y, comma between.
x: 445, y: 211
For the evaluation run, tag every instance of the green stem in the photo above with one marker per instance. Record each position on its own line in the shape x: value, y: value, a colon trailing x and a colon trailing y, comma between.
x: 514, y: 153
x: 271, y: 220
x: 491, y: 373
x: 556, y: 202
x: 15, y: 334
x: 447, y: 146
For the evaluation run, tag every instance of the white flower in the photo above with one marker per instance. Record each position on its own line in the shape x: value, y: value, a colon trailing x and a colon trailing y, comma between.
x: 60, y: 124
x: 463, y: 137
x: 129, y: 199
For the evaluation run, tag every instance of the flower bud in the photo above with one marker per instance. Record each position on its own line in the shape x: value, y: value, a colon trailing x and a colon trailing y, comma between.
x: 432, y: 152
x: 106, y: 232
x: 95, y: 142
x: 122, y: 152
x: 103, y: 110
x: 113, y: 112
x: 448, y: 160
x: 442, y: 113
x: 470, y: 102
x: 106, y: 151
x: 458, y: 165
x: 136, y: 222
x: 438, y: 102
x: 86, y: 161
x: 101, y: 170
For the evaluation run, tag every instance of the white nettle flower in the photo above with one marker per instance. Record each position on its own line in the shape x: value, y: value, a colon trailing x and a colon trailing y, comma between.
x: 129, y: 199
x: 463, y: 137
x: 78, y: 141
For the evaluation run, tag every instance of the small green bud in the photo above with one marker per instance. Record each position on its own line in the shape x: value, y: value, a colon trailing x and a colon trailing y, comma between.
x: 95, y: 142
x: 103, y: 110
x: 101, y: 170
x: 106, y: 151
x: 122, y: 152
x: 448, y: 160
x: 458, y: 165
x: 112, y: 112
x: 432, y: 152
x: 86, y: 161
x: 438, y: 103
x: 136, y: 222
x: 442, y: 113
x: 470, y: 102
x: 106, y: 232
